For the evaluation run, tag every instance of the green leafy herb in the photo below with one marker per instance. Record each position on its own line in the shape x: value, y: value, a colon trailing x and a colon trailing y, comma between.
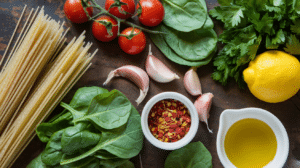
x: 46, y: 130
x: 230, y: 15
x: 52, y: 154
x: 160, y: 42
x: 125, y: 143
x: 296, y: 27
x: 193, y: 155
x: 37, y: 163
x: 82, y: 135
x: 186, y: 41
x: 251, y: 27
x: 97, y: 129
x: 80, y: 102
x: 117, y: 163
x: 108, y: 110
x: 293, y: 45
x: 184, y: 15
x: 192, y: 46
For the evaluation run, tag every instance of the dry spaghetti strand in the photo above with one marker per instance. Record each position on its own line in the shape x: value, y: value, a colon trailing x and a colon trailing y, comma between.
x: 35, y: 79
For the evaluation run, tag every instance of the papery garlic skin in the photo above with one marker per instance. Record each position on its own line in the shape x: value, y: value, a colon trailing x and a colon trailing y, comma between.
x: 157, y: 70
x: 203, y: 105
x: 192, y: 83
x: 134, y: 74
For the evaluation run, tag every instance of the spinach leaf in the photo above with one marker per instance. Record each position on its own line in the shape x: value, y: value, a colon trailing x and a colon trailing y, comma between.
x: 193, y: 155
x: 103, y: 154
x: 52, y: 154
x: 89, y: 162
x: 208, y: 24
x: 82, y: 99
x: 45, y: 130
x: 189, y: 37
x: 78, y: 138
x: 159, y: 41
x: 192, y: 46
x: 79, y: 102
x: 37, y: 163
x: 103, y: 127
x: 126, y: 164
x: 125, y: 144
x: 115, y: 163
x: 108, y: 110
x: 185, y: 15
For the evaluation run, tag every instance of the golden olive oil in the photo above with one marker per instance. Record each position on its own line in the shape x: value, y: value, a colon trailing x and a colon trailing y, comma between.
x: 250, y: 143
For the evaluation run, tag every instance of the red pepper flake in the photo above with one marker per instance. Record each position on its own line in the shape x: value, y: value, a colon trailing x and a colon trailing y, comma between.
x: 179, y: 114
x: 165, y: 115
x: 178, y: 130
x: 169, y: 120
x: 173, y: 126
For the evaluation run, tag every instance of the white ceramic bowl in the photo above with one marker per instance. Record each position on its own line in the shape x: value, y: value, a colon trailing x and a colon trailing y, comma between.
x: 194, y: 121
x: 230, y: 116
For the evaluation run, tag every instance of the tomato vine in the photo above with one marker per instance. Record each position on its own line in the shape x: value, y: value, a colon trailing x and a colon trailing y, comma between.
x: 86, y: 4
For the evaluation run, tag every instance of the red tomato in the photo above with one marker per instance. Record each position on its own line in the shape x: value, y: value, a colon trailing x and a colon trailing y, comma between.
x: 74, y: 11
x: 127, y: 8
x: 134, y: 45
x: 107, y: 30
x: 152, y: 12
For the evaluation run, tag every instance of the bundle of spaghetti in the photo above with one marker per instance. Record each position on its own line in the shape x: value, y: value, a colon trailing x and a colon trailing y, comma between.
x: 56, y: 79
x: 31, y: 53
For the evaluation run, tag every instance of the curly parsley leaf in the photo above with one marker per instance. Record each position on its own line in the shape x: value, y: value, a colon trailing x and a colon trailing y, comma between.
x: 293, y: 45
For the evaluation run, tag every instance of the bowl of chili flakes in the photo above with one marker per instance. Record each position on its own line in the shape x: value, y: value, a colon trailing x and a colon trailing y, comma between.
x: 169, y: 120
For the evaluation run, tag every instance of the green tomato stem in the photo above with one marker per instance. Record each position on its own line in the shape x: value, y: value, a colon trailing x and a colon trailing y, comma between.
x: 85, y: 5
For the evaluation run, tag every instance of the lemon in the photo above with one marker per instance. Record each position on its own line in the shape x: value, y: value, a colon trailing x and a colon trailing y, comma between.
x: 274, y: 76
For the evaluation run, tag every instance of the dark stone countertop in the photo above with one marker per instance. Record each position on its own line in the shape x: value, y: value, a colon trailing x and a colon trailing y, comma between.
x: 110, y: 57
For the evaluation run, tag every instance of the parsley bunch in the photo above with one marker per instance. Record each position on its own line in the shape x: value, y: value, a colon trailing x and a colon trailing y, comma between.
x: 251, y: 26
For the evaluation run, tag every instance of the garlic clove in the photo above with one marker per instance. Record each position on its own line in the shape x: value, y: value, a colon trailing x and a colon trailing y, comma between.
x: 157, y: 70
x: 203, y: 105
x: 192, y: 83
x: 134, y: 74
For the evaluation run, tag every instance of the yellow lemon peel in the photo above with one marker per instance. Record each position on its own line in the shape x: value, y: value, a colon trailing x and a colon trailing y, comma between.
x: 274, y: 76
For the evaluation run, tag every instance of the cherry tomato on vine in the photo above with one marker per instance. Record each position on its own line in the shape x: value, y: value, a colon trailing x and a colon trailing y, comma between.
x: 120, y: 8
x: 74, y: 11
x: 132, y: 40
x: 105, y: 28
x: 151, y: 12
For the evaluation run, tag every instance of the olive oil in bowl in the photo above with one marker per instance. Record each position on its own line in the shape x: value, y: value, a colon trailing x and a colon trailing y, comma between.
x: 250, y: 143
